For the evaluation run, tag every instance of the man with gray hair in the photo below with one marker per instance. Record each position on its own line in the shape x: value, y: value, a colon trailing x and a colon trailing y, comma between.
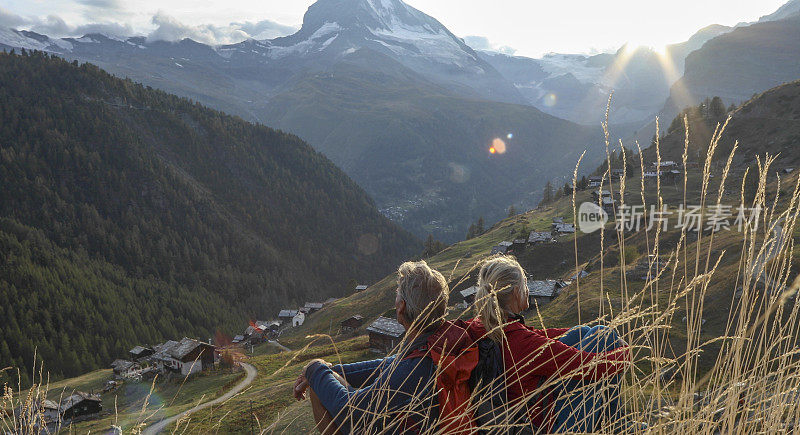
x: 393, y: 394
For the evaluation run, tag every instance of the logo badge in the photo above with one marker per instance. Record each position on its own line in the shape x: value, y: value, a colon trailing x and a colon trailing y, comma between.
x: 591, y: 217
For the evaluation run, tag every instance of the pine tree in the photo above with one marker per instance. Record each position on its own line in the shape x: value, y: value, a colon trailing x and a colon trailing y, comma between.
x: 716, y: 109
x: 512, y: 211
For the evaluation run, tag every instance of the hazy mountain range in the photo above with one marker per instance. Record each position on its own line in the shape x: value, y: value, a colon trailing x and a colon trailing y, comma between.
x: 408, y: 109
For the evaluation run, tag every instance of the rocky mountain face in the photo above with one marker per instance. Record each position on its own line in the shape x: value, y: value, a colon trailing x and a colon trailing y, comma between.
x: 736, y: 65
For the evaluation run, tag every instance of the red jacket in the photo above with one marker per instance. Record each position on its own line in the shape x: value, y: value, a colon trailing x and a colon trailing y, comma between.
x: 532, y: 356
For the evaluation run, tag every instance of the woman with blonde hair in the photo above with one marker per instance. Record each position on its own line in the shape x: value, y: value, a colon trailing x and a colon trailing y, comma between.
x: 544, y: 367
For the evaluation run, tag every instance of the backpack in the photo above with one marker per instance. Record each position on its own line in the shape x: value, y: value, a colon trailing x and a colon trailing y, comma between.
x: 488, y: 381
x: 467, y: 367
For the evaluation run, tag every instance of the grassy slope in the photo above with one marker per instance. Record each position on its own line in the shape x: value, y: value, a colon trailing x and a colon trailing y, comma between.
x: 124, y: 407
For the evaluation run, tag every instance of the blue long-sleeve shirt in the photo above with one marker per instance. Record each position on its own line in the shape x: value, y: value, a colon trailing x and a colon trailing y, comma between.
x: 385, y: 395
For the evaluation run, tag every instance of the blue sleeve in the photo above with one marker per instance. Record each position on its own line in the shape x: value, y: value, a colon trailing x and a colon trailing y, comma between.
x: 592, y: 339
x: 392, y: 389
x: 360, y: 373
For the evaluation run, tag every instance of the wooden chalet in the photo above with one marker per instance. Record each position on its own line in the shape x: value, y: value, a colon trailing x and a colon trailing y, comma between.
x: 385, y: 334
x: 124, y: 368
x: 563, y: 228
x: 502, y: 248
x: 80, y: 404
x: 313, y: 307
x: 352, y: 323
x: 469, y: 294
x: 140, y: 352
x: 536, y: 237
x: 542, y: 292
x: 286, y: 316
x: 185, y: 357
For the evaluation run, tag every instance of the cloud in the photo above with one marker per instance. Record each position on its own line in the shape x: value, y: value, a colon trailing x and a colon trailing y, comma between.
x: 105, y: 4
x: 483, y: 43
x: 55, y: 27
x: 265, y: 29
x: 170, y: 29
x: 7, y: 19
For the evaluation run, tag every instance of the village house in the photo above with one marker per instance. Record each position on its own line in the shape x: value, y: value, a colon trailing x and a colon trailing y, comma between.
x: 542, y: 292
x: 313, y: 307
x: 666, y: 165
x: 595, y: 181
x: 238, y: 339
x: 600, y: 193
x: 124, y: 368
x: 361, y: 287
x: 563, y: 229
x: 80, y: 404
x: 518, y: 245
x: 140, y: 352
x: 651, y: 175
x: 352, y: 323
x: 298, y: 319
x: 540, y: 237
x: 502, y: 248
x: 671, y: 175
x: 37, y: 414
x: 609, y: 205
x: 616, y: 174
x: 469, y: 294
x: 286, y: 316
x: 268, y: 325
x: 558, y: 220
x: 185, y: 357
x: 385, y: 334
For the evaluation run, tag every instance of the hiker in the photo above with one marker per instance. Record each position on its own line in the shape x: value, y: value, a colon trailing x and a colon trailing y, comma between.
x: 396, y: 394
x: 547, y: 371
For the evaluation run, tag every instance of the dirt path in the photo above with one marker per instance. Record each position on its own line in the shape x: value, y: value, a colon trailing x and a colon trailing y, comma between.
x: 251, y: 374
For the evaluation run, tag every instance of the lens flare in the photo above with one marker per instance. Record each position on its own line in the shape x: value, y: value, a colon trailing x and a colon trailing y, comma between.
x: 497, y: 146
x: 549, y: 100
x: 510, y: 136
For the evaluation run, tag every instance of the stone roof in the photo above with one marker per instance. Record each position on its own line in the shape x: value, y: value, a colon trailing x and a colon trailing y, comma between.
x: 539, y: 236
x: 387, y: 326
x: 564, y: 228
x: 314, y: 305
x: 469, y: 292
x: 546, y: 288
x: 138, y: 350
x: 77, y: 398
x: 287, y: 313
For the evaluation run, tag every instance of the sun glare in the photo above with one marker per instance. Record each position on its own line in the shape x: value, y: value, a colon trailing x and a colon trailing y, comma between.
x: 497, y: 146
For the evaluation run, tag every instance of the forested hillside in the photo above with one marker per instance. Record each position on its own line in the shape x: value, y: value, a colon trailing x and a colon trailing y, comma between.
x: 130, y: 215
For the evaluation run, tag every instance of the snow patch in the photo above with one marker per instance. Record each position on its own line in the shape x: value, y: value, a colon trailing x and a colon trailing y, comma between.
x: 557, y: 64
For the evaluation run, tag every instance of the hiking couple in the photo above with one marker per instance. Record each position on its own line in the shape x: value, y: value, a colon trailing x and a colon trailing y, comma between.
x: 491, y: 374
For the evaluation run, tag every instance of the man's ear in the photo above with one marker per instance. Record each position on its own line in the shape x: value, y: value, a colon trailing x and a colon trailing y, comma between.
x: 401, y: 311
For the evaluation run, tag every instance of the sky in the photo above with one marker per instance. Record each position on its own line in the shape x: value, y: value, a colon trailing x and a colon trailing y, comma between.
x: 524, y: 27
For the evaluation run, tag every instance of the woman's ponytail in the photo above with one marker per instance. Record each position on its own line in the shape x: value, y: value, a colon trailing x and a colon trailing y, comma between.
x: 498, y: 279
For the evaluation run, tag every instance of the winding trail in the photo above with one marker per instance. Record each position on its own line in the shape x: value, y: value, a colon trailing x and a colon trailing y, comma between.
x: 251, y: 375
